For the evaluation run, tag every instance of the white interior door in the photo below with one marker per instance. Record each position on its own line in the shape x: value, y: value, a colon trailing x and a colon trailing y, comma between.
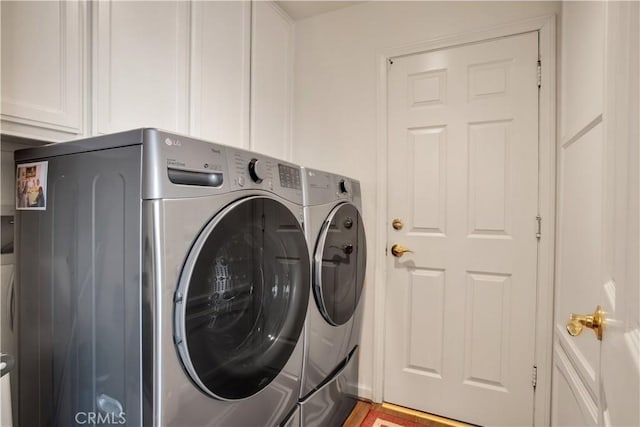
x: 598, y: 382
x: 620, y: 351
x: 463, y: 167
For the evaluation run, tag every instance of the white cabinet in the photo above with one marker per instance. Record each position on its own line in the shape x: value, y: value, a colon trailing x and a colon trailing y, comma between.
x: 271, y: 80
x: 42, y: 68
x: 220, y: 71
x: 140, y: 65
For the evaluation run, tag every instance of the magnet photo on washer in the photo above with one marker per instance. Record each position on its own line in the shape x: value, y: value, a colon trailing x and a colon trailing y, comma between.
x: 31, y: 186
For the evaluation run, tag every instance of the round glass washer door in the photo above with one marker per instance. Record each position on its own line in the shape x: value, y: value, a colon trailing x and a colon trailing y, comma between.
x: 339, y: 264
x: 242, y: 297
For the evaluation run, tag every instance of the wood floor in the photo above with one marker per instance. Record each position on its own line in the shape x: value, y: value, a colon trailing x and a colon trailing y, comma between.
x: 359, y: 413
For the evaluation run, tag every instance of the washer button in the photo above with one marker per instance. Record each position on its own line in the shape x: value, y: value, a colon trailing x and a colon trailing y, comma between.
x: 241, y: 181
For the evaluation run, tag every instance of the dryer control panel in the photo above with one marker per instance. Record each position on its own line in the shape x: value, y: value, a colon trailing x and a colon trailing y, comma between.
x: 322, y: 187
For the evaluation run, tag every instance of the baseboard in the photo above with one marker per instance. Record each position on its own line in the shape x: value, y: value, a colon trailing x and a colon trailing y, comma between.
x: 365, y: 393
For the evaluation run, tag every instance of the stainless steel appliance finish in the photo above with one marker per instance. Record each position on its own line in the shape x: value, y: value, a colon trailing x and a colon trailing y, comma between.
x: 332, y: 403
x: 335, y: 233
x: 166, y: 283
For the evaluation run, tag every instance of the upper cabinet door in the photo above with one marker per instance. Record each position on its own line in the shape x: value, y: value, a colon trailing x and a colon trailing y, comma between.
x: 140, y: 65
x: 42, y: 66
x: 271, y: 80
x: 220, y: 71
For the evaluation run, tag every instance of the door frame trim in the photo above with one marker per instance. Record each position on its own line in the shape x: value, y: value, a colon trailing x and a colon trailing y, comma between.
x: 547, y: 134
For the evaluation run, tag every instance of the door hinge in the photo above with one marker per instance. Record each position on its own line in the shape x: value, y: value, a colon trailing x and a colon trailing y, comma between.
x: 538, y: 227
x: 539, y: 73
x: 534, y: 376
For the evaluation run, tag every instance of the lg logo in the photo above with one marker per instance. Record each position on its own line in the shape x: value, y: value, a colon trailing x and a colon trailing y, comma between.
x: 171, y: 142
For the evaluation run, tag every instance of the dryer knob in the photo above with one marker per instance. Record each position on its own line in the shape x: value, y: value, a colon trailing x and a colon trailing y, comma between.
x: 256, y: 170
x: 345, y: 186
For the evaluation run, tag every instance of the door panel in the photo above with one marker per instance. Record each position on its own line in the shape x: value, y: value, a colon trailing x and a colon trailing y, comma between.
x: 579, y: 247
x: 579, y: 217
x: 42, y: 65
x: 426, y: 307
x: 578, y: 408
x: 582, y: 68
x: 219, y: 89
x: 597, y: 246
x: 140, y: 65
x: 620, y: 287
x: 271, y: 79
x: 463, y: 157
x: 428, y: 187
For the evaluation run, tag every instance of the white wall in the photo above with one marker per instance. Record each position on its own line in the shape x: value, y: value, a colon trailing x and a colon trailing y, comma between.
x: 334, y: 124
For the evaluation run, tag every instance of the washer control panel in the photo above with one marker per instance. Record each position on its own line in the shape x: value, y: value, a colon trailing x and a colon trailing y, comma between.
x: 289, y: 176
x: 257, y: 170
x: 181, y: 166
x: 251, y: 170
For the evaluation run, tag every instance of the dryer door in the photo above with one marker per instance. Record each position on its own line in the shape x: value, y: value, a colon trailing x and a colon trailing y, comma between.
x: 241, y: 300
x: 339, y: 264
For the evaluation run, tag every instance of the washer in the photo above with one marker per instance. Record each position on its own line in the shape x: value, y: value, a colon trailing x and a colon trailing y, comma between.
x: 337, y: 242
x: 165, y: 282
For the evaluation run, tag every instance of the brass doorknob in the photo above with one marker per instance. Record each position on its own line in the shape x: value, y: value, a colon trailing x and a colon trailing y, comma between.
x: 399, y: 250
x: 594, y: 321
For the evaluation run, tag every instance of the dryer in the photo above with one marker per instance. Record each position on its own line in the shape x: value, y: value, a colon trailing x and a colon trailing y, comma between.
x: 337, y: 243
x: 164, y: 282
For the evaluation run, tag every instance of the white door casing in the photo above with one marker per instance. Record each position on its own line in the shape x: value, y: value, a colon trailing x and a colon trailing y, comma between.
x: 598, y: 382
x: 463, y: 177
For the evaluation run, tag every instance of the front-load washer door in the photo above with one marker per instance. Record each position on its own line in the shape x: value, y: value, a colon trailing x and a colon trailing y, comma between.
x: 242, y: 296
x: 339, y: 264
